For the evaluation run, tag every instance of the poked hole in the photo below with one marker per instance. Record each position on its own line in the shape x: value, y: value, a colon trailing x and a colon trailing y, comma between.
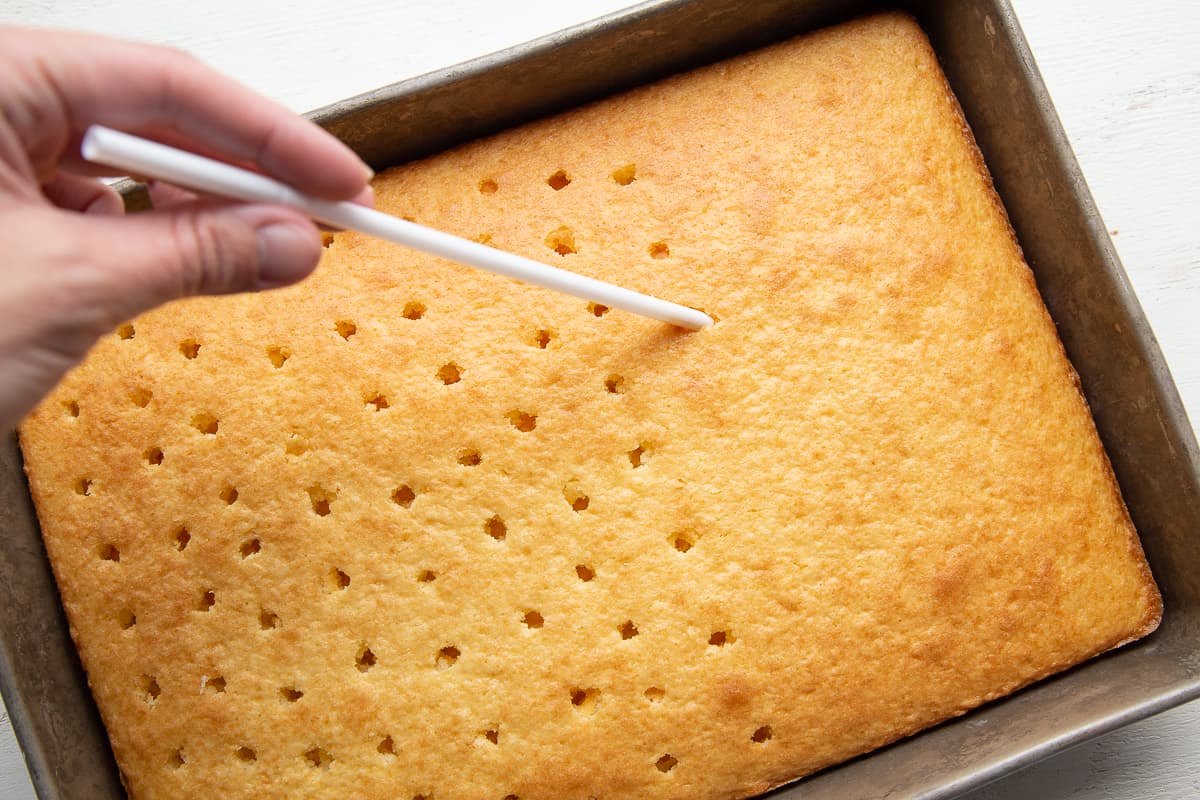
x: 559, y: 180
x: 625, y: 175
x: 321, y: 499
x: 762, y: 734
x: 206, y: 423
x: 496, y: 528
x: 403, y: 496
x: 522, y: 420
x: 278, y: 356
x: 562, y: 241
x: 365, y: 659
x: 584, y: 700
x: 447, y: 657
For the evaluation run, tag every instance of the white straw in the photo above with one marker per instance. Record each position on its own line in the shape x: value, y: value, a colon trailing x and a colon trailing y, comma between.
x: 151, y: 159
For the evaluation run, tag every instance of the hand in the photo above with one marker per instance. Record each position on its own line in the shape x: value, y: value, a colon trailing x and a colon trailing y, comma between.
x: 72, y: 266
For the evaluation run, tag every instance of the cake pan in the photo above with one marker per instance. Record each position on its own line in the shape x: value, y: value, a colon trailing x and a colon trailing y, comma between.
x: 1137, y: 409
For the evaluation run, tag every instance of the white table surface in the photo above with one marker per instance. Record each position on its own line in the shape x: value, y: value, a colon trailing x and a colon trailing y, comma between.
x: 1125, y: 78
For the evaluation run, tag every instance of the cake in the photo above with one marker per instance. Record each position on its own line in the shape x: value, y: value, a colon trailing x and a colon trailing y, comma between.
x: 410, y: 530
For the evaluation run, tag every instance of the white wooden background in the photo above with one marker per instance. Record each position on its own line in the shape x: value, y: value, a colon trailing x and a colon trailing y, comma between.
x: 1124, y: 76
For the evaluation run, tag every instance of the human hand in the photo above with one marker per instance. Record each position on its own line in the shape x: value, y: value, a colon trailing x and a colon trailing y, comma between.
x: 73, y: 267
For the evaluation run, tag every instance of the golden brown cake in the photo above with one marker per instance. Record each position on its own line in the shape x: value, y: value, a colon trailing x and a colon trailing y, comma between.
x: 409, y: 530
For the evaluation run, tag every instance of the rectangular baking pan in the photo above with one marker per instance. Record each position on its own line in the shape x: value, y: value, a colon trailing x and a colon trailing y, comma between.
x: 1137, y: 409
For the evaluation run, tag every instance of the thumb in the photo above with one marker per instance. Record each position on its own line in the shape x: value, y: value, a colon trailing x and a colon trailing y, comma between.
x: 142, y: 260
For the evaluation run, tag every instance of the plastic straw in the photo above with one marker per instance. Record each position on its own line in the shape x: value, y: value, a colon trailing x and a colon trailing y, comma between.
x: 151, y: 159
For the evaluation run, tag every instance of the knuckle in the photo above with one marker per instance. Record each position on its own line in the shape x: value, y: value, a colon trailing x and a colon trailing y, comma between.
x: 214, y: 260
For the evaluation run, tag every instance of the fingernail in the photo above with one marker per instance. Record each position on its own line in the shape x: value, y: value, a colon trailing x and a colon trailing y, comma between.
x: 287, y: 252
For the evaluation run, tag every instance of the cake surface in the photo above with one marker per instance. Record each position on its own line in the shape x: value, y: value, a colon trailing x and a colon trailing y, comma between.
x: 410, y: 530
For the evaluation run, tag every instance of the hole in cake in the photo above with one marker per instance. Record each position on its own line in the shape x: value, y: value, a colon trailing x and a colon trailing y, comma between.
x: 126, y: 619
x: 386, y: 746
x: 559, y: 180
x: 71, y: 407
x: 267, y: 620
x: 511, y: 797
x: 427, y: 576
x: 326, y: 239
x: 659, y: 250
x: 229, y: 495
x: 488, y: 186
x: 446, y: 657
x: 666, y: 763
x: 365, y: 659
x: 141, y: 397
x: 250, y: 547
x: 318, y: 757
x: 150, y: 689
x: 496, y: 528
x: 246, y: 754
x: 483, y: 238
x: 492, y: 735
x: 628, y: 629
x: 449, y: 373
x: 683, y: 540
x: 190, y: 348
x: 403, y: 496
x: 181, y: 538
x: 413, y: 309
x: 562, y: 241
x: 338, y: 580
x: 598, y: 309
x: 213, y: 685
x: 208, y: 598
x: 296, y: 445
x: 584, y: 572
x: 109, y: 552
x: 654, y: 694
x: 469, y: 458
x: 206, y: 423
x: 533, y: 619
x: 522, y: 421
x: 290, y: 694
x: 639, y: 455
x: 720, y: 638
x: 83, y: 487
x: 378, y: 400
x: 321, y: 500
x: 584, y: 700
x: 278, y: 355
x: 577, y: 500
x: 125, y: 330
x: 175, y: 759
x: 614, y: 384
x: 541, y: 338
x: 345, y: 328
x: 625, y: 175
x: 762, y: 734
x: 153, y: 456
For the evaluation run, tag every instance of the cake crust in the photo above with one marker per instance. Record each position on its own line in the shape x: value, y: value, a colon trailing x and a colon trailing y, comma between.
x: 408, y: 530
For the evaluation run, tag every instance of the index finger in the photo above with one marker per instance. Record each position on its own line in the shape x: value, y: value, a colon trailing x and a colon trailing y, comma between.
x: 147, y: 89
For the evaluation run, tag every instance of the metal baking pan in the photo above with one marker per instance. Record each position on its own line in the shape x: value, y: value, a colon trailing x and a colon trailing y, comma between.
x: 1137, y: 409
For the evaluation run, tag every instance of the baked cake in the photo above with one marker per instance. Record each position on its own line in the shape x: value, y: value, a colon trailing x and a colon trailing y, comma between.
x: 410, y: 530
